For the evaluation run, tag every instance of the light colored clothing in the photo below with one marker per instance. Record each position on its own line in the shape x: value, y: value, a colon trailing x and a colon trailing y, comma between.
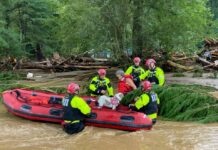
x: 110, y: 102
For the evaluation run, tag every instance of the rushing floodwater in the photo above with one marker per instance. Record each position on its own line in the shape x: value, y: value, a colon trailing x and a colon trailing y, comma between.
x: 20, y: 134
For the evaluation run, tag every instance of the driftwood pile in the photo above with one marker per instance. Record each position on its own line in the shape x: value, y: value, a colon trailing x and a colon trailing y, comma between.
x: 181, y: 61
x: 56, y: 63
x: 208, y: 57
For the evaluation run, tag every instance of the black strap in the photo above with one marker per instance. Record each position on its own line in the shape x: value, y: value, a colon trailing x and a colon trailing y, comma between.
x: 19, y: 97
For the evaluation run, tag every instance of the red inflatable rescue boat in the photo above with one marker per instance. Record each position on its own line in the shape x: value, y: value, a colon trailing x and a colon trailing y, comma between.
x: 43, y: 106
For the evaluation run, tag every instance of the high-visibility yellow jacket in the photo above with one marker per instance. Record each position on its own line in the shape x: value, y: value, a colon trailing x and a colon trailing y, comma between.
x: 135, y: 71
x: 148, y: 104
x: 97, y: 85
x: 154, y: 76
x: 75, y: 109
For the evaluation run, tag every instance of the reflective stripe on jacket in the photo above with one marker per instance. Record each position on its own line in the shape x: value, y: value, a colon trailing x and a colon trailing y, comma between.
x: 75, y: 108
x: 135, y: 71
x: 98, y: 84
x: 148, y: 104
x: 154, y: 76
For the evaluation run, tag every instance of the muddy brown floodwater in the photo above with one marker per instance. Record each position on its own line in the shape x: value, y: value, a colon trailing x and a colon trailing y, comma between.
x: 20, y: 134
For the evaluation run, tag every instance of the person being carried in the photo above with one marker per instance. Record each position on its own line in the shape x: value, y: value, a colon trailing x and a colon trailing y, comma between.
x: 100, y: 85
x: 110, y: 102
x: 147, y: 103
x: 75, y: 110
x: 135, y: 70
x: 125, y: 83
x: 155, y: 75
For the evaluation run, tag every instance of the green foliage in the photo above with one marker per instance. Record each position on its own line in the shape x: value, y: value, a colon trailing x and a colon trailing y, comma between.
x: 34, y: 20
x: 176, y: 25
x: 72, y: 26
x: 173, y: 25
x: 213, y: 4
x: 188, y: 103
x: 78, y: 28
x: 129, y: 97
x: 7, y: 37
x: 95, y: 25
x: 9, y: 43
x: 5, y: 76
x: 26, y: 24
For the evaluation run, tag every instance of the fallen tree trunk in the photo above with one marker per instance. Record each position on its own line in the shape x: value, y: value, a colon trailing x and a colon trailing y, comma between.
x: 176, y: 65
x: 64, y: 61
x: 41, y: 62
x: 85, y: 59
x: 86, y: 64
x: 181, y: 59
x: 60, y: 67
x: 84, y: 67
x: 205, y: 61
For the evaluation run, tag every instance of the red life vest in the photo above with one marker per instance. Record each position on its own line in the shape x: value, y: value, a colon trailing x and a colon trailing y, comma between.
x: 123, y: 87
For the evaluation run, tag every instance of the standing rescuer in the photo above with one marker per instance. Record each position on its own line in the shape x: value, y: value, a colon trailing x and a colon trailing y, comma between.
x: 135, y: 70
x: 100, y: 85
x: 75, y: 110
x: 154, y: 74
x: 148, y: 102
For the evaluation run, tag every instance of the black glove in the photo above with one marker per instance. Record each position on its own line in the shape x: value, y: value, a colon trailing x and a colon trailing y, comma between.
x: 89, y: 115
x: 92, y: 115
x: 136, y: 79
x: 132, y: 107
